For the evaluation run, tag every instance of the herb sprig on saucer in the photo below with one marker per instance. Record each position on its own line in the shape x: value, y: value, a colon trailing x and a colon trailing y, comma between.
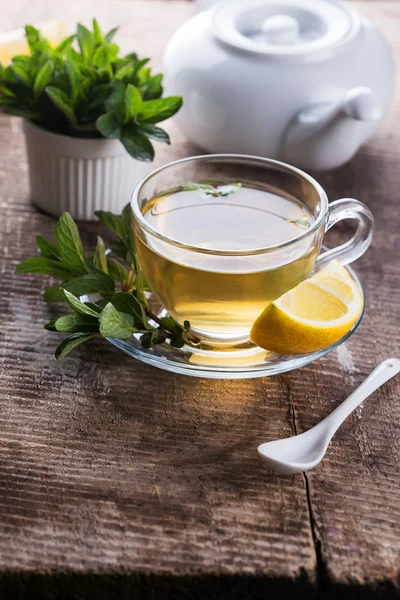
x: 121, y: 308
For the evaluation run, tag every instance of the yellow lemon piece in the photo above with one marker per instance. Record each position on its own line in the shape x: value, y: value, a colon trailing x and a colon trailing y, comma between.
x: 13, y: 43
x: 313, y: 315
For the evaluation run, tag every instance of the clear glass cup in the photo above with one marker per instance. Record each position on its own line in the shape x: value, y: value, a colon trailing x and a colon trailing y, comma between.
x: 221, y: 292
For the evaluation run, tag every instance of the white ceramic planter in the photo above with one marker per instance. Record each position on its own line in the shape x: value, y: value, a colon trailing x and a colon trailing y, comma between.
x: 79, y: 175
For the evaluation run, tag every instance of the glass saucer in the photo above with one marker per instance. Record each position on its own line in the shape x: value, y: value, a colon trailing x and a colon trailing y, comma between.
x: 243, y: 362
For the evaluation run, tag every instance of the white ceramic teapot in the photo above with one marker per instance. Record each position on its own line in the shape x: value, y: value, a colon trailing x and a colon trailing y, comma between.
x: 303, y: 81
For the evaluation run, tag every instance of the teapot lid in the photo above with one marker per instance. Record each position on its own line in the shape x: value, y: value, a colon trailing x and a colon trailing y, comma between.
x: 284, y: 27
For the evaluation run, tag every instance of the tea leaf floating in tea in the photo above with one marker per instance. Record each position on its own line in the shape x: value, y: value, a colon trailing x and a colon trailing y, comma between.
x: 118, y: 312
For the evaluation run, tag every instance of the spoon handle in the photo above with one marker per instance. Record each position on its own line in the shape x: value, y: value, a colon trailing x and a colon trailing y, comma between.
x: 380, y: 375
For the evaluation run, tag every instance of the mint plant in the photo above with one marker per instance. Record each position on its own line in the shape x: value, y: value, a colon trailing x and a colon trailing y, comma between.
x: 84, y: 88
x: 119, y: 308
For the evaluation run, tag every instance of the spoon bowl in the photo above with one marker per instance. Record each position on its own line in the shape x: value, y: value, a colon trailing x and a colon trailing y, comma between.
x: 305, y: 451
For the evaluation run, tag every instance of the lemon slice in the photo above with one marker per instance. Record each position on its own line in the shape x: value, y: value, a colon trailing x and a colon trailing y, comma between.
x: 313, y: 315
x: 13, y: 43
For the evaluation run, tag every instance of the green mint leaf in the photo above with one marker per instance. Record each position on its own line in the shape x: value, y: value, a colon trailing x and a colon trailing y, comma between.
x: 118, y: 248
x: 127, y: 220
x: 77, y: 305
x: 70, y: 244
x: 43, y: 78
x: 112, y: 221
x: 45, y: 266
x: 155, y: 133
x: 109, y: 126
x: 115, y: 103
x: 117, y: 271
x: 71, y: 342
x: 47, y: 249
x: 97, y: 35
x: 161, y: 109
x: 75, y: 322
x: 210, y: 190
x: 62, y: 102
x: 133, y: 102
x: 177, y: 341
x: 93, y: 283
x: 50, y: 326
x: 137, y: 145
x: 53, y: 294
x: 99, y: 256
x: 109, y: 36
x: 85, y: 41
x: 116, y: 324
x: 128, y: 304
x: 32, y: 36
x: 154, y: 88
x: 64, y: 46
x: 21, y: 112
x: 146, y: 340
x: 75, y: 81
x: 94, y: 307
x: 169, y: 324
x: 20, y: 74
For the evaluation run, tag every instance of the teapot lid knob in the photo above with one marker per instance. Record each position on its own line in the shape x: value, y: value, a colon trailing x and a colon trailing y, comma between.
x: 281, y: 29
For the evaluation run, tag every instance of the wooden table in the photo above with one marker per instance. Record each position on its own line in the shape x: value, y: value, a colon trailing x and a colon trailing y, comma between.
x: 122, y: 481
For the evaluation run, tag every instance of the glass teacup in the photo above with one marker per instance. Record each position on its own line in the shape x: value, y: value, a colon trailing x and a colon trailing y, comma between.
x: 219, y: 237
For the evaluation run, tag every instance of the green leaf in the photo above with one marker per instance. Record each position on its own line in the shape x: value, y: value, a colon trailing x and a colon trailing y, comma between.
x: 62, y: 102
x: 133, y: 102
x: 95, y: 283
x: 70, y: 244
x: 45, y: 266
x: 99, y: 94
x: 109, y: 36
x: 43, y: 78
x: 77, y: 305
x: 32, y: 35
x: 53, y: 294
x: 116, y: 324
x: 109, y: 126
x: 64, y: 46
x: 21, y: 112
x: 95, y: 307
x: 47, y: 249
x: 158, y: 110
x: 115, y: 103
x: 146, y: 340
x: 118, y: 248
x: 50, y: 326
x: 97, y: 35
x: 85, y: 41
x: 75, y: 81
x: 137, y: 145
x: 112, y: 221
x: 154, y: 88
x: 170, y: 324
x: 117, y: 271
x: 128, y: 304
x: 177, y: 341
x: 155, y: 133
x: 99, y: 256
x: 71, y: 342
x: 74, y: 322
x: 20, y: 74
x: 127, y: 219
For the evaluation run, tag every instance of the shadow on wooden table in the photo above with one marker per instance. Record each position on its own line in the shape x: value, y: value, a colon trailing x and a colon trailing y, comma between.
x: 15, y: 586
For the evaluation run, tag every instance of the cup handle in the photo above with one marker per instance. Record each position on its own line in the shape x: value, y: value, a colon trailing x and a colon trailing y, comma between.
x: 348, y: 208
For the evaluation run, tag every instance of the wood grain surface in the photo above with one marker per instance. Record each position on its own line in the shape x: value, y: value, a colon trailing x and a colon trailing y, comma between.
x: 118, y: 480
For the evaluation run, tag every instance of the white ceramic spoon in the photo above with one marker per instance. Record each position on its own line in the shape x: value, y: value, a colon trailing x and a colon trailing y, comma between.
x: 305, y: 451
